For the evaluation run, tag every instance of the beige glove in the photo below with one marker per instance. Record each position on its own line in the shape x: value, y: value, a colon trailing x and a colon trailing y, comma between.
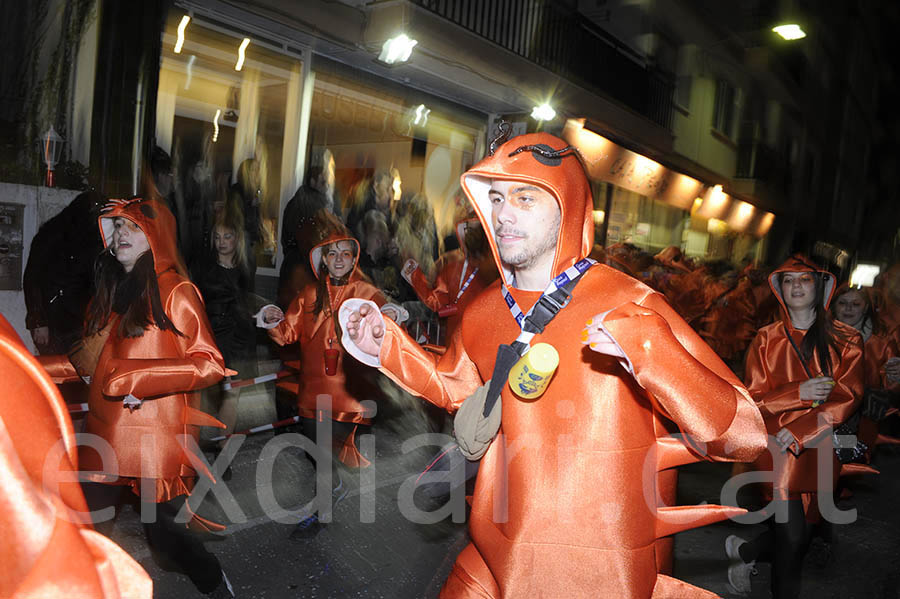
x: 472, y: 430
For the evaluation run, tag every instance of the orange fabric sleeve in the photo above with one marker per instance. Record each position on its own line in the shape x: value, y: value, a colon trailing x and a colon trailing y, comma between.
x: 288, y: 330
x: 434, y: 297
x: 445, y: 380
x: 849, y: 379
x: 201, y: 365
x: 771, y: 401
x: 60, y: 369
x: 687, y: 380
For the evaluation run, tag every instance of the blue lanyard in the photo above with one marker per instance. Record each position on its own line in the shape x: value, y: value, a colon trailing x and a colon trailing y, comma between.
x: 559, y: 281
x: 466, y: 284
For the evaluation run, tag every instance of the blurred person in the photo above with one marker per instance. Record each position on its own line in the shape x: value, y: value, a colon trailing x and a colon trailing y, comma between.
x: 223, y: 280
x: 806, y: 374
x: 853, y: 306
x: 57, y: 282
x: 49, y: 548
x: 379, y: 258
x: 534, y: 529
x: 148, y: 346
x: 247, y: 193
x: 461, y: 275
x: 380, y: 194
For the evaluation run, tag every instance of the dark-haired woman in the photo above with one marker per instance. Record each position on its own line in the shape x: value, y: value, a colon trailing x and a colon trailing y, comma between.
x: 148, y: 346
x: 805, y: 373
x: 853, y: 306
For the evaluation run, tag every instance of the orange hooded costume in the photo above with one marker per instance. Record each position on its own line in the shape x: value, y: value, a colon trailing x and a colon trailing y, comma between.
x: 773, y: 375
x: 46, y: 551
x: 160, y: 367
x: 560, y: 505
x: 454, y: 270
x: 316, y: 332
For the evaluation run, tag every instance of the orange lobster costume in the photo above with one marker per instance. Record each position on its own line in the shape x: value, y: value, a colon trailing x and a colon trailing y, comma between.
x: 46, y: 551
x: 316, y: 332
x: 160, y: 367
x: 773, y: 375
x: 454, y: 269
x: 567, y: 500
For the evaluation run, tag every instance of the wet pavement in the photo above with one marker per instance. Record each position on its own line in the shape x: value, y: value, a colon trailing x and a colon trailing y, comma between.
x: 391, y: 557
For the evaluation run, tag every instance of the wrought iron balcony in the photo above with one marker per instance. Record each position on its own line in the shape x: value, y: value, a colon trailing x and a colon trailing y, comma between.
x: 553, y: 35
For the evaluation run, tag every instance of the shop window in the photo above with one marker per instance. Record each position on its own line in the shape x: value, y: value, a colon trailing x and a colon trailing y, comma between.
x: 222, y: 125
x: 644, y: 222
x: 396, y: 150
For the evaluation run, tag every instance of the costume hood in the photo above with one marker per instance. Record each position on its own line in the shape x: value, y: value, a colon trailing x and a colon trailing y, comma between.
x: 800, y: 263
x: 155, y: 220
x: 521, y: 159
x: 334, y: 235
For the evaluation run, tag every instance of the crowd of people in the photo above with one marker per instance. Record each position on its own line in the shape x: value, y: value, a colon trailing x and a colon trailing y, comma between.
x: 725, y: 355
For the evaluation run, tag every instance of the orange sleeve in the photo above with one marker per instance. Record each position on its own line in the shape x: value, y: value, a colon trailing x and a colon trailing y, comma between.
x: 289, y: 329
x: 445, y: 380
x: 687, y: 380
x: 841, y: 403
x: 200, y: 364
x: 434, y: 297
x: 60, y: 369
x: 771, y: 401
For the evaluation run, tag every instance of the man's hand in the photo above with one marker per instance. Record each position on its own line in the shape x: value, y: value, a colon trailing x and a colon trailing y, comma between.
x: 40, y: 336
x: 366, y: 329
x: 595, y: 337
x: 786, y: 440
x: 817, y: 389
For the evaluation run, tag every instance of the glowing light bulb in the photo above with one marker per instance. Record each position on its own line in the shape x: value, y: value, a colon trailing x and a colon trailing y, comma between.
x: 179, y: 42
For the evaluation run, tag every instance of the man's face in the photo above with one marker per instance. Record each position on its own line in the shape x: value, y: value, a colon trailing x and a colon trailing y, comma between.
x: 526, y: 222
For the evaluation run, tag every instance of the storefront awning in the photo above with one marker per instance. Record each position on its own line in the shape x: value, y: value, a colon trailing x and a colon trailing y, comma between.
x: 605, y: 160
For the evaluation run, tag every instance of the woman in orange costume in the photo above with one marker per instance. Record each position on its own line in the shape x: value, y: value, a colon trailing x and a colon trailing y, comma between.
x: 462, y: 274
x: 310, y: 319
x: 156, y: 348
x: 806, y: 374
x: 853, y: 307
x: 49, y: 549
x: 535, y: 531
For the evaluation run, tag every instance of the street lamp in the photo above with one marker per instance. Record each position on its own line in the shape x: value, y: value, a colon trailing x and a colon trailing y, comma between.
x: 544, y: 112
x: 397, y: 49
x: 790, y: 32
x: 51, y: 147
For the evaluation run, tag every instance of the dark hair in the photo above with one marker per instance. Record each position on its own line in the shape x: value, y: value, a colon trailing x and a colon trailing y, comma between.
x: 822, y: 336
x: 322, y: 283
x: 133, y: 295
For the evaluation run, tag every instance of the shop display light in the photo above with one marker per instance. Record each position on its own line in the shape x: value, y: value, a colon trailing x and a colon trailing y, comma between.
x: 242, y: 53
x: 397, y: 49
x: 790, y: 32
x: 179, y: 43
x: 215, y: 136
x: 864, y: 275
x: 544, y: 112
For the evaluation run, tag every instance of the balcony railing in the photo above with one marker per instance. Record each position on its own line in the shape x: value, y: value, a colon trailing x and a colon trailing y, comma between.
x: 551, y: 34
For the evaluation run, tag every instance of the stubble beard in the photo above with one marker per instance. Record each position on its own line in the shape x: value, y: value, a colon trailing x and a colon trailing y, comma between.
x: 528, y: 255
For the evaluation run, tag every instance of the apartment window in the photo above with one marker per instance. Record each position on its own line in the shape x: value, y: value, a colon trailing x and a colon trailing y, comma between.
x: 725, y: 108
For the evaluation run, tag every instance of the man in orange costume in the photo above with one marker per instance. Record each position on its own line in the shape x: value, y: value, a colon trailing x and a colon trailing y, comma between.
x: 48, y: 548
x: 566, y: 500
